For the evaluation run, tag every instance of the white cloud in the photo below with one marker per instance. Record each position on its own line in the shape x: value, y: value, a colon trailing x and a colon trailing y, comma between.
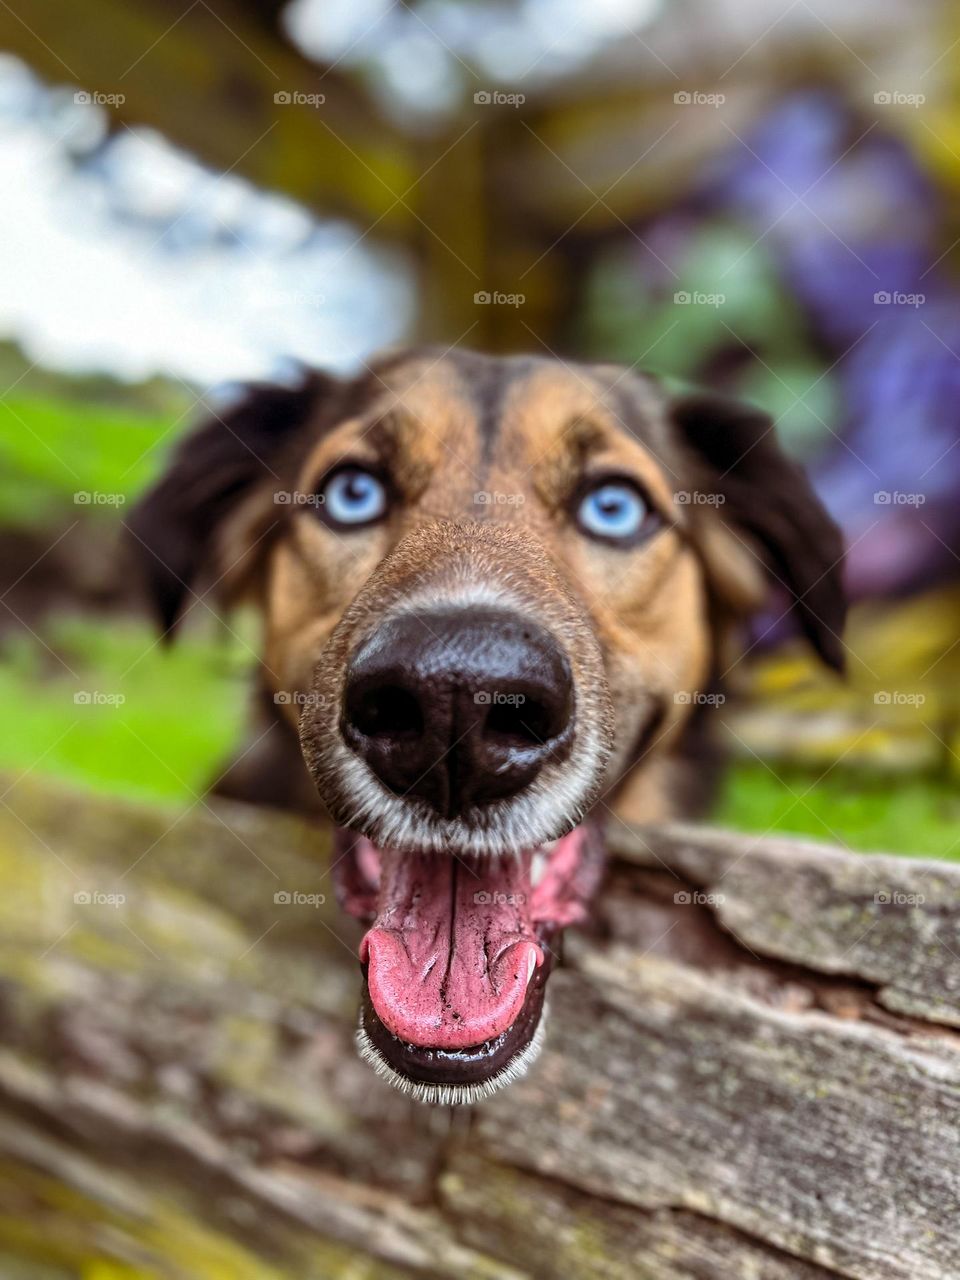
x: 202, y: 277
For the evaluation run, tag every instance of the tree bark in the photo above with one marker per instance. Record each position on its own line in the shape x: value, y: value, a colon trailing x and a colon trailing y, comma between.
x: 752, y: 1067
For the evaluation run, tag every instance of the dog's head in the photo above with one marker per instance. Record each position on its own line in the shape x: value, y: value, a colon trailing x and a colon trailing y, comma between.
x: 492, y: 589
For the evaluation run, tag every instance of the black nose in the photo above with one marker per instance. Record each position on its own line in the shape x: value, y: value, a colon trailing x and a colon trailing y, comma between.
x: 460, y: 708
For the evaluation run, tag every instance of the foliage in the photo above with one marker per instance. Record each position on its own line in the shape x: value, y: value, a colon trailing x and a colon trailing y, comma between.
x: 864, y: 810
x: 51, y: 449
x: 181, y: 712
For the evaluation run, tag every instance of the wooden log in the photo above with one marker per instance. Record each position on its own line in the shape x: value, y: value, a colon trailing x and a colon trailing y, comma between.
x: 752, y: 1067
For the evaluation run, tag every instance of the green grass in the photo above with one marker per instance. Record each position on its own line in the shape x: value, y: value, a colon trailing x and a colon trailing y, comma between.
x: 182, y: 710
x: 51, y: 450
x: 908, y: 814
x: 159, y: 721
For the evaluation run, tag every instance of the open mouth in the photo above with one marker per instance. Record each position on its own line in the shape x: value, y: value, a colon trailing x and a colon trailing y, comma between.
x: 457, y: 956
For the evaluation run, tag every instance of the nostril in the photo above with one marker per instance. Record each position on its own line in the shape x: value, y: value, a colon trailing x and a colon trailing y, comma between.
x: 526, y: 723
x: 386, y: 711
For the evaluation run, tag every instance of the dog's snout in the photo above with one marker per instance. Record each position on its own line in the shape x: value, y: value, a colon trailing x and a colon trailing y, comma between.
x: 459, y: 708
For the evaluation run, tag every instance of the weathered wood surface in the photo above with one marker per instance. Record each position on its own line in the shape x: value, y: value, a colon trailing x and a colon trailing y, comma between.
x: 751, y: 1071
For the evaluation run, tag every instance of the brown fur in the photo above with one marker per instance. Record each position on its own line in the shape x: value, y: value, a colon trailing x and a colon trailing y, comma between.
x: 646, y: 627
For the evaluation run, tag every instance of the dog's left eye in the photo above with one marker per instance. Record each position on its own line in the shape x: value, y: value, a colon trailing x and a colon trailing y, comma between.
x: 353, y: 496
x: 614, y: 510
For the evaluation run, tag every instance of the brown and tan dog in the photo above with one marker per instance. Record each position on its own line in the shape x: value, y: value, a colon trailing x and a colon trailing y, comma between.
x: 494, y: 592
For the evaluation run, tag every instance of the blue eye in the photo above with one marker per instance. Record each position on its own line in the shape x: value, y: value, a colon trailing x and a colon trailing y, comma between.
x: 353, y: 497
x: 614, y: 511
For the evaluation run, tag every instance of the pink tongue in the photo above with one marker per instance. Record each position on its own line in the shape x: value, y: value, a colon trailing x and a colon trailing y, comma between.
x: 452, y: 949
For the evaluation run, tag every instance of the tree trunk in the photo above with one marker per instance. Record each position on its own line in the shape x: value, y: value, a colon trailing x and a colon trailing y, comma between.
x: 751, y: 1069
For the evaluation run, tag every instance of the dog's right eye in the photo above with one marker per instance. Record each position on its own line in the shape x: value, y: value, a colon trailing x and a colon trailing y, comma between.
x: 352, y: 497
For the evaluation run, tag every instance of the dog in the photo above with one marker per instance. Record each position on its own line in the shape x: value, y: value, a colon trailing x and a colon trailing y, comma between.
x: 493, y: 593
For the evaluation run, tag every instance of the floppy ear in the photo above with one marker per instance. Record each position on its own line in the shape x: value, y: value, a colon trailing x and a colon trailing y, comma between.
x: 174, y: 528
x: 768, y: 497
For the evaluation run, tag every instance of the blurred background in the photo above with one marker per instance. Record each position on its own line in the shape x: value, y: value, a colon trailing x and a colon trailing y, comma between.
x: 759, y: 197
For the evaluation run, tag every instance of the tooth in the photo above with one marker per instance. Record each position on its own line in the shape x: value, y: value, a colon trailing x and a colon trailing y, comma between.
x: 538, y: 866
x: 531, y: 964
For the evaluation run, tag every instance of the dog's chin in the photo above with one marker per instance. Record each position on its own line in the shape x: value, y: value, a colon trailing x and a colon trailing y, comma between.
x: 457, y: 954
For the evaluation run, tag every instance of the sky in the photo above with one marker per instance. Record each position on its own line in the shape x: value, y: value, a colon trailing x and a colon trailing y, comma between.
x: 133, y: 259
